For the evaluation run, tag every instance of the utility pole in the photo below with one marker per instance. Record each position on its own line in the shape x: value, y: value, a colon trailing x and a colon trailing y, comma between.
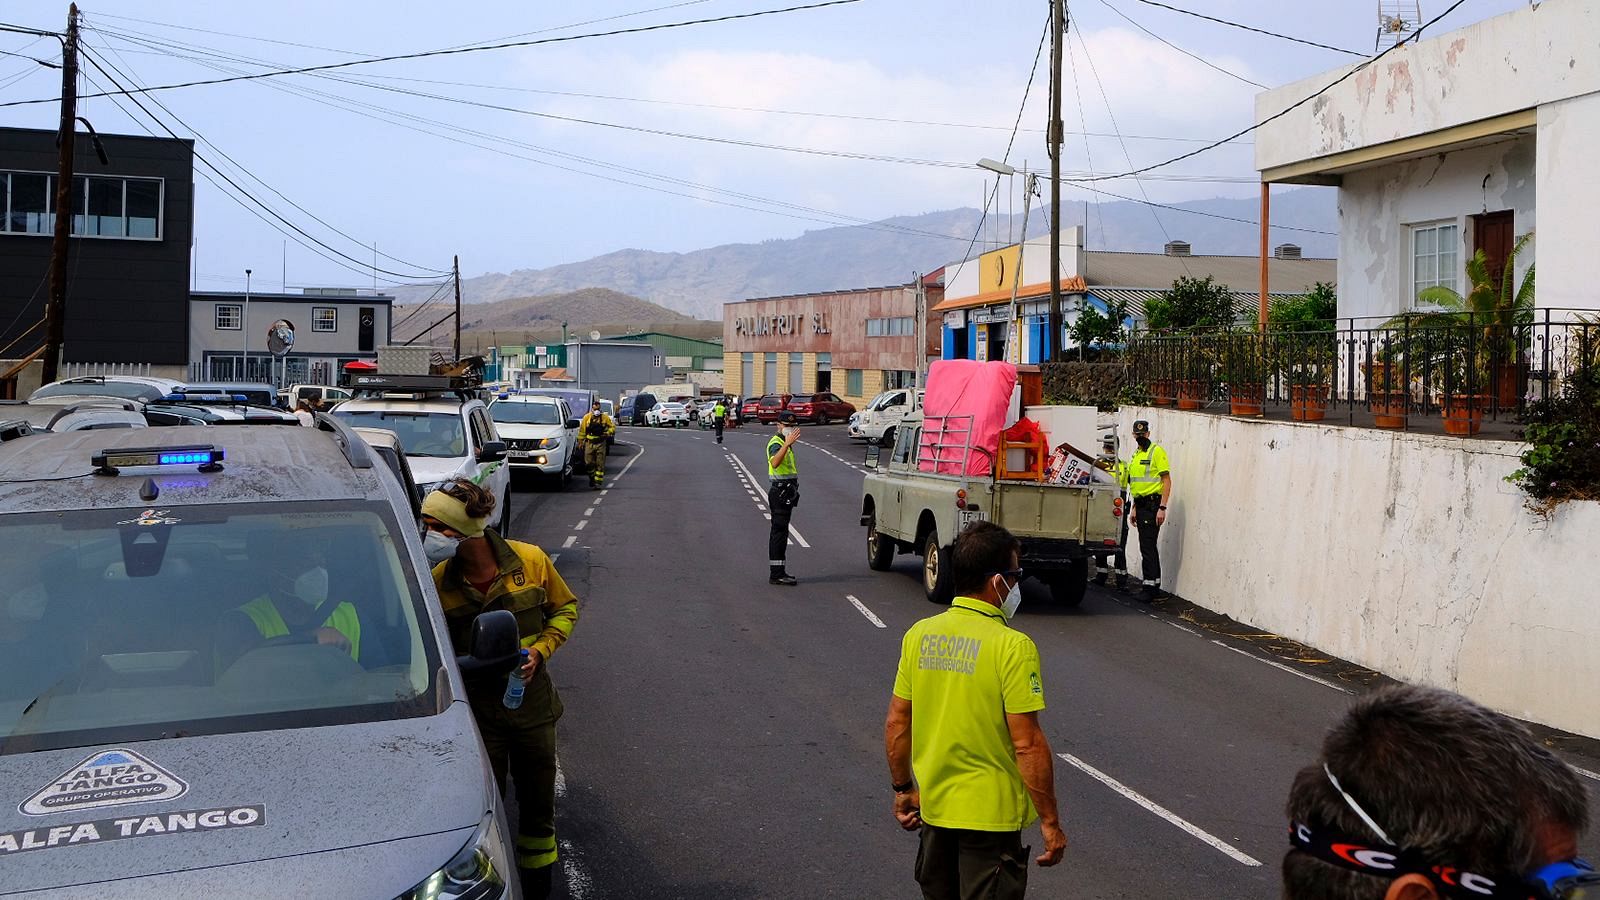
x: 1058, y: 29
x: 456, y: 267
x: 55, y: 310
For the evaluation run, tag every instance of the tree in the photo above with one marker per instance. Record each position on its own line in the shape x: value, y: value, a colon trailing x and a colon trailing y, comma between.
x: 1314, y: 310
x: 1096, y: 328
x: 1191, y: 303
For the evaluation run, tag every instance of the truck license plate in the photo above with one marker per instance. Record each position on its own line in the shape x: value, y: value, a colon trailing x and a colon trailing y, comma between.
x: 968, y: 516
x: 518, y: 454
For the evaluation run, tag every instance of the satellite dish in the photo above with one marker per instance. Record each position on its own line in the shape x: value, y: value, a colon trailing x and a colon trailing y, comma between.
x: 280, y: 338
x: 594, y: 335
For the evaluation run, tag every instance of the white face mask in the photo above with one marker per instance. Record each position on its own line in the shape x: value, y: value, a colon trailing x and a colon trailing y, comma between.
x: 312, y: 586
x: 439, y: 547
x: 1013, y: 599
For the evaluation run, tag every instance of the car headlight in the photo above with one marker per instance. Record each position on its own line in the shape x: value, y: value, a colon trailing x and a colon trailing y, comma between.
x: 551, y: 443
x: 478, y: 872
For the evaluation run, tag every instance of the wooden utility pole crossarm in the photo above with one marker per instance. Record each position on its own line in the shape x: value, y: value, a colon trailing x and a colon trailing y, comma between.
x: 55, y: 310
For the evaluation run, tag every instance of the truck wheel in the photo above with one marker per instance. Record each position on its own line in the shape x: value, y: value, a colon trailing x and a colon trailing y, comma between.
x: 888, y: 437
x: 880, y: 549
x: 936, y: 570
x: 1067, y: 587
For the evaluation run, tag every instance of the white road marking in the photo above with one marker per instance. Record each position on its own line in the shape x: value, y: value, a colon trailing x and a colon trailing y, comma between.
x: 768, y: 516
x: 578, y: 882
x: 555, y: 557
x: 1585, y: 772
x: 864, y: 611
x: 1290, y: 669
x: 590, y: 510
x: 598, y: 499
x: 1161, y: 811
x: 580, y: 525
x: 603, y: 493
x: 571, y: 539
x: 1181, y: 627
x: 797, y: 537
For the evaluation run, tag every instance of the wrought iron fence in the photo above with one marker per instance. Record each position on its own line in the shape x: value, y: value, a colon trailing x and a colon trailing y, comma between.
x: 1427, y: 368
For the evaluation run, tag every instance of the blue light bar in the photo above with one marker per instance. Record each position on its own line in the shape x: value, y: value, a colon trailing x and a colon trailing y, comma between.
x: 203, y: 455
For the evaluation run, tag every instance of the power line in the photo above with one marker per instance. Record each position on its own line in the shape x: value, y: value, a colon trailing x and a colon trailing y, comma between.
x: 1281, y: 37
x: 1026, y: 90
x: 1194, y: 56
x: 1281, y: 113
x: 302, y: 70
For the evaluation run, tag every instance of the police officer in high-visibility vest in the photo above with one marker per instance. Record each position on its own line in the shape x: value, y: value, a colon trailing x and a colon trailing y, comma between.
x: 475, y: 571
x: 783, y: 494
x: 1149, y: 480
x: 719, y: 416
x: 296, y: 605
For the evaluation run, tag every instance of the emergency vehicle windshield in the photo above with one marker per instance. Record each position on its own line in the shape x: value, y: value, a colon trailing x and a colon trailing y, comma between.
x: 421, y: 433
x: 139, y: 624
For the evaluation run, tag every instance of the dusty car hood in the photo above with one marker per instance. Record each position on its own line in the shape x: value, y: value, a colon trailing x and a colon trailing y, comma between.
x: 529, y: 432
x: 248, y: 802
x: 429, y: 469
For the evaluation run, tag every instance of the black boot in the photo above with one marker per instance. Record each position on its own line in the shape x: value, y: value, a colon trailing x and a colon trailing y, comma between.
x: 536, y: 882
x: 1151, y: 593
x: 779, y: 576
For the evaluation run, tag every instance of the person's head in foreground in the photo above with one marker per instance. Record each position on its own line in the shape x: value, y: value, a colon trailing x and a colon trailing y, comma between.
x: 1420, y: 794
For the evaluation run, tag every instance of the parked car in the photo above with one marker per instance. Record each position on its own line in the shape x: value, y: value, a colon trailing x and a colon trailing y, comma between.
x: 254, y: 394
x: 609, y: 408
x: 820, y: 408
x: 641, y: 408
x: 446, y: 433
x: 624, y: 414
x: 771, y: 405
x: 540, y: 435
x: 181, y: 408
x: 670, y: 414
x: 114, y: 387
x: 749, y: 410
x: 882, y: 417
x: 327, y: 395
x: 93, y: 415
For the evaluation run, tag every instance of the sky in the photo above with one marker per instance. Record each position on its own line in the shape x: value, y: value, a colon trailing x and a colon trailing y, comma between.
x: 429, y: 177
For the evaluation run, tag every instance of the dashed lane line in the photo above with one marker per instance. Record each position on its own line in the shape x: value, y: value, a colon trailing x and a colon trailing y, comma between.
x: 862, y: 607
x: 794, y: 533
x: 1149, y: 805
x: 581, y: 524
x: 590, y: 510
x: 571, y: 539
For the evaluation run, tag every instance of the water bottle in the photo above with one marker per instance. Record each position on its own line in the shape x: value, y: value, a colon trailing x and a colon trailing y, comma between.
x: 514, y: 685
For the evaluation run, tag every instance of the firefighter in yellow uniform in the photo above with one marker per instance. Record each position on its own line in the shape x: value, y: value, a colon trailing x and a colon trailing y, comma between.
x: 1148, y: 476
x: 477, y: 571
x: 593, y: 432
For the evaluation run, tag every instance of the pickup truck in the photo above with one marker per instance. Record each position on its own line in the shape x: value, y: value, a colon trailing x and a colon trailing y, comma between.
x: 907, y: 510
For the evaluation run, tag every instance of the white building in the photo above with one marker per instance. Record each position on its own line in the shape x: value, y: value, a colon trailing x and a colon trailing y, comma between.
x: 1458, y: 142
x: 332, y: 327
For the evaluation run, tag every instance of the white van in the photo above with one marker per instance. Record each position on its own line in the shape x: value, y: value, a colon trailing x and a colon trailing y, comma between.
x: 879, y: 421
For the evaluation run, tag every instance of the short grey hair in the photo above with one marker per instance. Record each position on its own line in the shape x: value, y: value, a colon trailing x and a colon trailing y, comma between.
x: 1444, y: 776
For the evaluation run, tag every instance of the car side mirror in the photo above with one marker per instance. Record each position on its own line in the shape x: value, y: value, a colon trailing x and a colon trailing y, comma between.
x: 494, y: 646
x: 572, y: 423
x: 492, y: 451
x: 874, y: 454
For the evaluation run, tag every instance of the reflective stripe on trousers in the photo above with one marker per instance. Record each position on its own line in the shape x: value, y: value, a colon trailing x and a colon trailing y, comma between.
x: 536, y: 852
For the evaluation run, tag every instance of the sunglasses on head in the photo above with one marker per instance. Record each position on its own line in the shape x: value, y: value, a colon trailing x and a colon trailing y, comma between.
x: 1571, y: 879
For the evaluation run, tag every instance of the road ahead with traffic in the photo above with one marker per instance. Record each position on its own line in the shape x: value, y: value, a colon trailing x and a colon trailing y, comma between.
x: 723, y: 737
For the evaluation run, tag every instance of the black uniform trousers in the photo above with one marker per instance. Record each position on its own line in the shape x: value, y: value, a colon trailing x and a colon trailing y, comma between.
x: 521, y: 744
x: 718, y: 422
x: 1144, y: 511
x: 782, y: 509
x: 956, y: 864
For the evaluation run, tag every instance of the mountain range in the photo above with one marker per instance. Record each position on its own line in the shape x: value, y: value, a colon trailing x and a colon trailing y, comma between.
x: 698, y: 283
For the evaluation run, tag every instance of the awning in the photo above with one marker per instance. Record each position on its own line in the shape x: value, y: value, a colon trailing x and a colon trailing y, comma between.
x: 555, y: 375
x: 1073, y: 285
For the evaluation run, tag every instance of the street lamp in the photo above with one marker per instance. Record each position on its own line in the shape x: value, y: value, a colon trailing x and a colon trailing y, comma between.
x: 999, y: 168
x: 245, y: 326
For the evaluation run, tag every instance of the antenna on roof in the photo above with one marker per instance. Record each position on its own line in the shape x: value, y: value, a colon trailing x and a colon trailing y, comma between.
x: 1397, y: 21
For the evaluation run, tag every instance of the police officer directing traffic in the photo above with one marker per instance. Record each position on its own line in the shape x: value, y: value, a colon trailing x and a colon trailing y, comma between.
x: 1148, y: 476
x: 783, y: 494
x: 475, y: 571
x: 719, y: 416
x: 968, y: 762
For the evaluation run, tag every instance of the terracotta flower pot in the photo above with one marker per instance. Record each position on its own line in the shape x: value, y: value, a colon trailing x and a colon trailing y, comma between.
x: 1511, y: 382
x: 1463, y: 413
x: 1189, y: 394
x: 1308, y: 402
x: 1161, y: 392
x: 1247, y: 399
x: 1389, y: 408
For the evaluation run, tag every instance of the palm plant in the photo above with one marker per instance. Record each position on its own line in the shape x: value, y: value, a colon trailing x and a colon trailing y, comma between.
x: 1502, y: 310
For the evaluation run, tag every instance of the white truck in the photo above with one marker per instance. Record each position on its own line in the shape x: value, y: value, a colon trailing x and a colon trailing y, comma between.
x: 908, y: 510
x: 879, y: 421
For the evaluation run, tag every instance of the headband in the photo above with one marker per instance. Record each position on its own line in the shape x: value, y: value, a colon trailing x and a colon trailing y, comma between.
x: 453, y: 513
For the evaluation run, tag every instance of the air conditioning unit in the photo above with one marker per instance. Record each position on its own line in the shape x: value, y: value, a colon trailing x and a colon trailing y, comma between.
x: 1177, y: 248
x: 1287, y: 251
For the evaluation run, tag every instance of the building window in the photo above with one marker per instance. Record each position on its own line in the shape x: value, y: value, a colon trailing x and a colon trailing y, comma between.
x: 891, y: 327
x: 797, y: 373
x: 324, y: 318
x: 769, y: 374
x: 1435, y: 256
x: 852, y: 382
x: 656, y: 361
x: 747, y: 372
x: 101, y: 207
x: 898, y: 378
x: 230, y: 317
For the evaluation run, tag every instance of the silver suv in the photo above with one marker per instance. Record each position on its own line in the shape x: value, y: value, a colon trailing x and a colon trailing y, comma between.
x: 224, y: 672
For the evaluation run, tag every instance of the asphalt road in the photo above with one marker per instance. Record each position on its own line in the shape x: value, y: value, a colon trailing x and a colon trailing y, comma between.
x: 723, y: 737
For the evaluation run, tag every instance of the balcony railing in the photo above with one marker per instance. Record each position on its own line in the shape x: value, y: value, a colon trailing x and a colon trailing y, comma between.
x: 1454, y: 371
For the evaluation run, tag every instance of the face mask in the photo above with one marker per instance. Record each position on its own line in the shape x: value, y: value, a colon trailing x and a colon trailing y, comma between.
x: 1144, y: 442
x: 439, y: 547
x: 312, y: 586
x: 1012, y: 601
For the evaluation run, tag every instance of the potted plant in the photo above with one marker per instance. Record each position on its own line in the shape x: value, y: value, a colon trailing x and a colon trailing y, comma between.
x: 1501, y: 311
x: 1467, y: 378
x: 1308, y: 393
x: 1246, y: 371
x: 1304, y: 328
x: 1387, y: 397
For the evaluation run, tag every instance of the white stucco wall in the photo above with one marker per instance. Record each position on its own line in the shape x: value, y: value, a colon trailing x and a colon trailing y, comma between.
x: 1405, y: 553
x: 1510, y: 63
x: 1569, y: 198
x: 1377, y: 206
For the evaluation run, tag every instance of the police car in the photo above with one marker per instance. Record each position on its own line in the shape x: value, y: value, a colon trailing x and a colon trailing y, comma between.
x: 224, y: 672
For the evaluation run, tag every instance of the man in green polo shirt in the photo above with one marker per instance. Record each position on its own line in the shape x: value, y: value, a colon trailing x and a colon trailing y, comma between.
x: 968, y: 762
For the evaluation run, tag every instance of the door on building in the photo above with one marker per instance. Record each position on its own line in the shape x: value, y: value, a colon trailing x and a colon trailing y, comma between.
x: 958, y: 342
x: 997, y: 340
x: 1492, y: 233
x: 824, y: 371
